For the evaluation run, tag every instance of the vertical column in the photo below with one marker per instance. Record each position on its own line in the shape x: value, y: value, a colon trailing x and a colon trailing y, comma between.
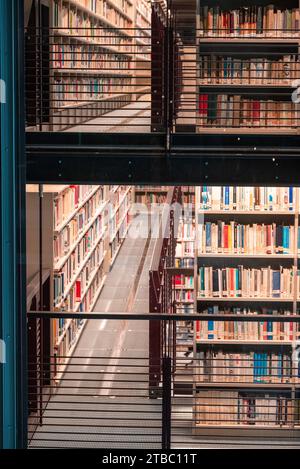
x: 13, y: 392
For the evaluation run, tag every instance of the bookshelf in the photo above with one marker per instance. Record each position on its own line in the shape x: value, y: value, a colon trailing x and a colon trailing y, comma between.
x: 142, y: 48
x: 85, y: 225
x: 244, y: 376
x: 182, y: 275
x: 119, y: 218
x: 248, y: 58
x: 98, y: 52
x: 151, y: 194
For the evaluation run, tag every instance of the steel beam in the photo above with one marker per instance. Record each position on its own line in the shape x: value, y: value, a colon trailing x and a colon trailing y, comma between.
x: 12, y: 213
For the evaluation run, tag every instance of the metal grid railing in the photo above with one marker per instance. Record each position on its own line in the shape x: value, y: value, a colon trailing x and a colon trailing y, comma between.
x: 74, y: 86
x: 214, y: 394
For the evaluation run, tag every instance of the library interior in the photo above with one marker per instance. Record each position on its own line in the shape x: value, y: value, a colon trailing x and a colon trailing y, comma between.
x: 157, y: 218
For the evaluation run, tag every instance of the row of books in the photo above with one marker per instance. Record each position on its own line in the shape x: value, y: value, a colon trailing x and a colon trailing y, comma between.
x: 244, y: 408
x: 66, y: 202
x: 100, y: 6
x: 69, y: 271
x: 266, y: 21
x: 119, y: 235
x: 150, y: 198
x: 119, y: 217
x: 94, y: 289
x: 65, y: 16
x: 234, y: 198
x: 188, y: 198
x: 244, y: 282
x: 186, y: 231
x: 87, y: 58
x: 64, y: 345
x: 185, y: 248
x: 184, y: 296
x: 69, y: 235
x: 61, y: 285
x: 247, y: 331
x: 67, y: 92
x: 183, y: 308
x: 142, y: 22
x: 186, y: 281
x: 183, y: 262
x: 241, y: 111
x: 143, y: 7
x: 242, y: 367
x: 236, y: 238
x: 214, y: 69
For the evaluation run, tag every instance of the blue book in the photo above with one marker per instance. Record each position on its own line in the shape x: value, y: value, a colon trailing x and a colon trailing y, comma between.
x: 276, y: 284
x: 226, y: 196
x: 285, y: 241
x: 279, y: 366
x: 210, y: 325
x: 225, y: 67
x: 269, y: 330
x: 265, y: 364
x: 208, y: 235
x: 291, y: 194
x: 256, y: 367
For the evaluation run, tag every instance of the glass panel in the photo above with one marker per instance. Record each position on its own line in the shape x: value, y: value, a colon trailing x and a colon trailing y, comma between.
x: 223, y: 261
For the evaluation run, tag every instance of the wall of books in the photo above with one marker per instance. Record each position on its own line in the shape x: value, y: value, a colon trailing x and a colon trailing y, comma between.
x: 248, y: 59
x: 84, y: 227
x: 243, y: 260
x: 99, y: 49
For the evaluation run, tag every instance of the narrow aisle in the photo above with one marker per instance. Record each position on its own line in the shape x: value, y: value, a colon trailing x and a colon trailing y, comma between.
x: 103, y: 398
x: 135, y: 117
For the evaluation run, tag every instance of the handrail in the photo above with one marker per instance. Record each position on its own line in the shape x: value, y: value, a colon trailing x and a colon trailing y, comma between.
x: 160, y: 317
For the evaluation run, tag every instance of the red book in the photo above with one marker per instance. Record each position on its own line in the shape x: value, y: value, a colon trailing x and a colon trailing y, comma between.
x: 198, y: 330
x: 265, y: 331
x: 231, y: 282
x: 203, y: 104
x: 78, y: 290
x: 178, y: 280
x: 226, y: 237
x: 256, y: 112
x: 269, y: 239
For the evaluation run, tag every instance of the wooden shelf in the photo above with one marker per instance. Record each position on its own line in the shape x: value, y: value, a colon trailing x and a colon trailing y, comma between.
x: 245, y: 299
x: 118, y: 248
x: 105, y: 73
x: 246, y: 85
x: 238, y: 426
x: 63, y: 259
x: 276, y: 386
x: 80, y: 268
x: 64, y: 32
x: 259, y: 213
x: 101, y: 18
x: 251, y: 39
x: 58, y: 228
x: 249, y: 130
x: 246, y: 256
x: 242, y: 342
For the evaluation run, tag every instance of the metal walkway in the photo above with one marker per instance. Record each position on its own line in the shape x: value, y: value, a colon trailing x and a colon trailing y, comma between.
x: 126, y: 289
x: 135, y: 117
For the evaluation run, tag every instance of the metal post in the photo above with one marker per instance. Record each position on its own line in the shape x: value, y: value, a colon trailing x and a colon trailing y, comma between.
x: 41, y: 305
x: 166, y: 403
x: 13, y: 381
